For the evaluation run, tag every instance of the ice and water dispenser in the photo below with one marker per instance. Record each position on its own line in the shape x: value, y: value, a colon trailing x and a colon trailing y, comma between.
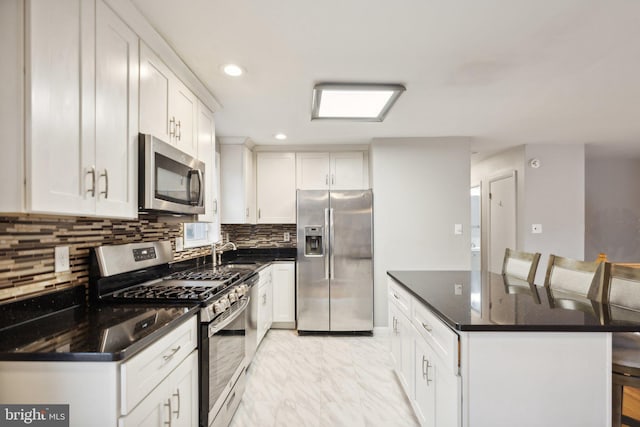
x: 313, y: 245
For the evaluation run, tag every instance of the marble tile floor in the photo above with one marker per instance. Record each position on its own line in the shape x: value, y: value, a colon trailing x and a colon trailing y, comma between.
x: 324, y: 381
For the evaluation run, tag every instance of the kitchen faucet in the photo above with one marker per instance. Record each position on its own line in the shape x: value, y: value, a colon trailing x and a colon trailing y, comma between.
x: 218, y: 250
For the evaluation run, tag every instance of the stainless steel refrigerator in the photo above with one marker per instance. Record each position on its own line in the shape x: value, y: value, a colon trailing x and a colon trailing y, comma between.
x: 335, y: 260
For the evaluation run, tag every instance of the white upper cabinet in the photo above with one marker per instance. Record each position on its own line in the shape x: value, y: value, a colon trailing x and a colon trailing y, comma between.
x: 59, y: 149
x: 82, y: 110
x: 207, y: 154
x: 237, y: 185
x: 168, y: 109
x: 276, y: 188
x: 336, y: 171
x: 116, y: 115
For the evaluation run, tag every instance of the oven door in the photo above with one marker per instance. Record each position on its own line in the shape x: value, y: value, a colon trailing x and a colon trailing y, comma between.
x: 222, y: 360
x: 170, y: 180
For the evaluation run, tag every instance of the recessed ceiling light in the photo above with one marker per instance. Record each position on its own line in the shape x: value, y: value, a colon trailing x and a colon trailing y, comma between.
x: 354, y: 101
x: 280, y: 136
x: 232, y: 70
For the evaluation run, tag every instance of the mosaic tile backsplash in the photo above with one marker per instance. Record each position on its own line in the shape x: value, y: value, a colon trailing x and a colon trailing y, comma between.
x: 27, y: 245
x: 260, y: 235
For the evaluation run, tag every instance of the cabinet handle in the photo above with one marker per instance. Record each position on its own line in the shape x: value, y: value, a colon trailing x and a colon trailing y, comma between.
x: 247, y: 212
x: 106, y: 183
x: 177, y: 394
x: 172, y: 126
x: 426, y: 370
x: 215, y: 206
x: 92, y: 172
x: 168, y: 404
x: 326, y: 179
x: 395, y: 325
x: 426, y: 327
x: 259, y: 215
x: 333, y: 179
x: 395, y: 296
x: 233, y: 396
x: 264, y: 299
x: 173, y: 353
x: 179, y: 130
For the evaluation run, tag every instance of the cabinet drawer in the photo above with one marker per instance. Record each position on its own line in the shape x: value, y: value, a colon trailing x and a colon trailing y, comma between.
x: 400, y: 297
x: 440, y: 337
x: 147, y: 369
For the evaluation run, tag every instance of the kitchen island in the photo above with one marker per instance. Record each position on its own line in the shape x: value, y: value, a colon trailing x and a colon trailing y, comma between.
x: 481, y: 350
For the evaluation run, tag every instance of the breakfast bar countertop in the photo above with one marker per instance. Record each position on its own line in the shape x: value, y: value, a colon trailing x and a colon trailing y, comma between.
x: 472, y: 301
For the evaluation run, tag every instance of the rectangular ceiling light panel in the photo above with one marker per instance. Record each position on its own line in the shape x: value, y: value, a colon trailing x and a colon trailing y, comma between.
x: 359, y: 102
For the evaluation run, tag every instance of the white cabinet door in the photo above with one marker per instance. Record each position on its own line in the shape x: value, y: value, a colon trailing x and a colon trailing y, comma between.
x: 402, y: 343
x: 183, y: 389
x: 207, y: 154
x: 265, y: 302
x: 425, y: 386
x: 237, y: 183
x: 284, y: 292
x: 59, y: 150
x: 183, y: 107
x: 347, y: 171
x: 155, y: 80
x: 116, y: 100
x: 312, y: 171
x: 276, y: 188
x: 153, y: 410
x: 395, y: 346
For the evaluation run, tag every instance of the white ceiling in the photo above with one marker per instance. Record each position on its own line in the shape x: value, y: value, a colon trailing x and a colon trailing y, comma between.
x: 505, y: 72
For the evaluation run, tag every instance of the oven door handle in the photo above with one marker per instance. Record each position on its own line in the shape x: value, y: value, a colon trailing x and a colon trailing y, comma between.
x: 219, y: 326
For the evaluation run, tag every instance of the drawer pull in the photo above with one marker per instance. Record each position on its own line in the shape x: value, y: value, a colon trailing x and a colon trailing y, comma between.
x: 426, y: 327
x: 173, y: 353
x: 168, y: 404
x: 396, y: 296
x: 426, y: 371
x: 424, y: 367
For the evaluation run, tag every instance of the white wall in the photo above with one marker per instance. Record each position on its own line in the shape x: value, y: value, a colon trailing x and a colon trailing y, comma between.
x: 554, y: 197
x: 612, y: 212
x: 420, y: 190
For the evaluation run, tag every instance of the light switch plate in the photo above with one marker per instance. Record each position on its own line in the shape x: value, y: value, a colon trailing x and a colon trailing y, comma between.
x: 61, y: 259
x: 287, y: 236
x: 536, y: 228
x: 457, y: 229
x: 179, y: 244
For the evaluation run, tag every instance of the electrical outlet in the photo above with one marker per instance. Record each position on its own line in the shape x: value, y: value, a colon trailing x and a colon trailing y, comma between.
x: 457, y: 289
x: 61, y: 259
x: 457, y: 229
x: 179, y: 244
x: 287, y: 236
x: 536, y: 228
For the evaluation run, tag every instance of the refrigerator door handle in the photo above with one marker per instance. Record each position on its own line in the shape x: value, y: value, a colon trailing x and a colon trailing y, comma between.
x: 325, y: 244
x: 331, y: 248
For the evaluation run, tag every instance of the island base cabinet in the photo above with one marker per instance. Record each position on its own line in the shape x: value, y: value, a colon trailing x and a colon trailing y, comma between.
x: 402, y: 334
x: 533, y: 379
x: 436, y: 400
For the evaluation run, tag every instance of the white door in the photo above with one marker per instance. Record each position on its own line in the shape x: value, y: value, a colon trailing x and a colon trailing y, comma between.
x: 502, y: 219
x: 312, y: 171
x: 116, y: 115
x: 154, y: 95
x: 347, y: 171
x: 276, y: 188
x: 183, y: 107
x: 206, y: 154
x: 59, y: 81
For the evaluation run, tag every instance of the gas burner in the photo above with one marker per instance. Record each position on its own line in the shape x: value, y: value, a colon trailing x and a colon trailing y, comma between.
x: 224, y: 276
x: 194, y: 293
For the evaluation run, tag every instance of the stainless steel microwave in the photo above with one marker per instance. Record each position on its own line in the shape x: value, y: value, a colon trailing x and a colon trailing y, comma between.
x: 169, y: 180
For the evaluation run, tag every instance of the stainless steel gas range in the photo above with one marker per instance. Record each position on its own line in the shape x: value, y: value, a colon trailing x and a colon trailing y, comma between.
x: 141, y: 272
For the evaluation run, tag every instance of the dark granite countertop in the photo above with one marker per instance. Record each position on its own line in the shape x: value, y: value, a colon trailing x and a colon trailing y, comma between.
x: 262, y: 255
x: 487, y: 302
x: 83, y: 333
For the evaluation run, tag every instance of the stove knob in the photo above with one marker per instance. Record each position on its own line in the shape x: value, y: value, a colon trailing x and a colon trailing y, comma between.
x: 233, y: 297
x: 218, y: 307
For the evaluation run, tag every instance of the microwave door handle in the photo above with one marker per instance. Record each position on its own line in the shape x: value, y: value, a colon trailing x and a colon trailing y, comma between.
x: 200, y: 188
x: 198, y: 201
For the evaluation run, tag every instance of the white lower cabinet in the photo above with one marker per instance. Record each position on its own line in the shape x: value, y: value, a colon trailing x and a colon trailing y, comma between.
x: 173, y: 402
x: 157, y: 387
x: 265, y: 302
x: 284, y: 294
x: 431, y: 383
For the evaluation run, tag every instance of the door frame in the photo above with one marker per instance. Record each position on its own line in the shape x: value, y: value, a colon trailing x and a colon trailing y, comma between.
x: 486, y: 245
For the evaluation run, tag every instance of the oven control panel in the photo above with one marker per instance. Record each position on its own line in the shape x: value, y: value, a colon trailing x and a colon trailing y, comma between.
x: 143, y: 254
